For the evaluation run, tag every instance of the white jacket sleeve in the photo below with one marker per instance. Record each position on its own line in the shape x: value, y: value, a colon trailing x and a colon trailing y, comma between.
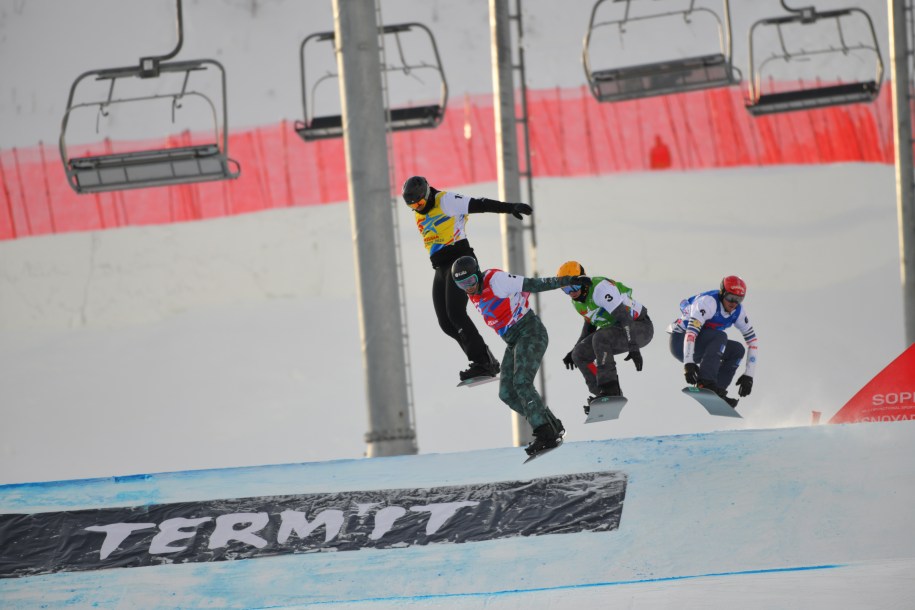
x: 700, y: 312
x: 749, y: 337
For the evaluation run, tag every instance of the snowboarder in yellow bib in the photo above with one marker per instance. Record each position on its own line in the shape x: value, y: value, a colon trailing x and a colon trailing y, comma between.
x: 441, y: 218
x: 615, y: 323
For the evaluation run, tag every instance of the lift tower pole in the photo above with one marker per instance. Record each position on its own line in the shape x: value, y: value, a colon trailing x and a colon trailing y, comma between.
x: 900, y: 16
x: 503, y: 89
x: 356, y: 33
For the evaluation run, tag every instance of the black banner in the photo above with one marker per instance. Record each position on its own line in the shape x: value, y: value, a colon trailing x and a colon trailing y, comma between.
x: 222, y: 530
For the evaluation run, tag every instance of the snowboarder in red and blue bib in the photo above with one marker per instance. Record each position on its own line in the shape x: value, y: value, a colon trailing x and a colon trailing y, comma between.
x: 502, y: 300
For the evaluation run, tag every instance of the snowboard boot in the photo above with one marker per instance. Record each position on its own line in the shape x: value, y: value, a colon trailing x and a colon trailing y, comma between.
x: 611, y: 388
x: 722, y: 392
x: 708, y: 385
x: 484, y: 368
x: 480, y: 369
x: 724, y: 396
x: 545, y: 437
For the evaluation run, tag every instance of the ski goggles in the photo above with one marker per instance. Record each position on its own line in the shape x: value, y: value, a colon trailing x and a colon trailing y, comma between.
x: 571, y: 288
x: 418, y: 204
x: 468, y: 282
x: 732, y: 298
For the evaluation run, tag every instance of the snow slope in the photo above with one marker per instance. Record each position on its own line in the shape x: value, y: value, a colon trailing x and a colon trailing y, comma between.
x: 810, y: 517
x: 234, y: 342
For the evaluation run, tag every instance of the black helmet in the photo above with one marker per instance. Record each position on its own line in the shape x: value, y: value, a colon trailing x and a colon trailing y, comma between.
x: 415, y: 189
x: 466, y: 272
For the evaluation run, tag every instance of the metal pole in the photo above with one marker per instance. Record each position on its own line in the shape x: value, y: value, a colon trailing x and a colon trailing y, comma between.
x: 528, y: 173
x: 905, y: 180
x: 358, y: 60
x: 507, y: 155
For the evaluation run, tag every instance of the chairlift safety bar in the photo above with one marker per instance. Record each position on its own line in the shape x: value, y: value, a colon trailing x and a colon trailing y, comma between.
x: 412, y: 117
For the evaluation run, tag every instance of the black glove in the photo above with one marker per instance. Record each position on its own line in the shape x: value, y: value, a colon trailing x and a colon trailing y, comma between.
x: 691, y: 372
x: 745, y: 383
x: 521, y: 208
x: 570, y: 364
x: 636, y: 356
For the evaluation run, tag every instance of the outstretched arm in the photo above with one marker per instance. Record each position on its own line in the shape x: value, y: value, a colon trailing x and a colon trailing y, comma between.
x: 482, y: 204
x: 542, y: 284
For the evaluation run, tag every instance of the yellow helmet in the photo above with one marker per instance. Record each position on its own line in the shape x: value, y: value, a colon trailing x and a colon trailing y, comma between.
x: 572, y: 268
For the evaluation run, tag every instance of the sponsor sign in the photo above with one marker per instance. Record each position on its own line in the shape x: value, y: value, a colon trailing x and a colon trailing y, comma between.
x: 889, y: 396
x: 249, y: 528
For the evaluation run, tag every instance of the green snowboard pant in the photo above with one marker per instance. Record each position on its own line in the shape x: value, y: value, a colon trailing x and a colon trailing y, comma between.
x: 525, y: 345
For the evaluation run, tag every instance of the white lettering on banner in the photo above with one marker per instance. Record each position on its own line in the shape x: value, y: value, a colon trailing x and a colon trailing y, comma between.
x: 384, y: 520
x: 171, y: 530
x: 903, y: 417
x: 893, y: 398
x: 440, y: 513
x: 291, y: 521
x: 225, y: 530
x: 115, y: 534
x: 296, y: 521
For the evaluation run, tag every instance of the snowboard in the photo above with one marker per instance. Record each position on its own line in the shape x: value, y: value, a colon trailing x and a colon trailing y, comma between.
x: 605, y: 408
x: 544, y: 452
x: 712, y: 402
x: 469, y: 383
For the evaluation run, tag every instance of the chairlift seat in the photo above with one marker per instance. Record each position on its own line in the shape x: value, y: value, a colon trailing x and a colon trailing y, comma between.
x: 412, y: 117
x: 852, y: 52
x: 819, y: 97
x: 321, y: 126
x: 140, y: 169
x: 661, y: 78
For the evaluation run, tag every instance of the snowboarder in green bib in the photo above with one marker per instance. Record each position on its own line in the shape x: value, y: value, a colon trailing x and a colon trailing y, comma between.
x: 615, y: 323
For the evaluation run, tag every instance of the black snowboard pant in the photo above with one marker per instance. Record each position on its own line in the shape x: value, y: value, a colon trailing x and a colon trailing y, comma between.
x: 600, y: 346
x: 450, y: 303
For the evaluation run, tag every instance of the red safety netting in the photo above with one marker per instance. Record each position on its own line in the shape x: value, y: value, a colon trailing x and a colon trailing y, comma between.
x: 571, y: 135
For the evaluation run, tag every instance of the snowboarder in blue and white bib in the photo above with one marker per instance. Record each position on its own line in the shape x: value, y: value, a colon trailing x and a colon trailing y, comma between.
x: 699, y: 340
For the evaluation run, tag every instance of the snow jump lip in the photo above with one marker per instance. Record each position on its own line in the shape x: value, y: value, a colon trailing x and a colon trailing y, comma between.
x: 753, y: 502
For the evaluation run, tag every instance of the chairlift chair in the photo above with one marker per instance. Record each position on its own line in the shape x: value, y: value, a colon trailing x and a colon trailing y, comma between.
x: 675, y: 75
x: 321, y: 126
x: 823, y: 92
x: 150, y: 167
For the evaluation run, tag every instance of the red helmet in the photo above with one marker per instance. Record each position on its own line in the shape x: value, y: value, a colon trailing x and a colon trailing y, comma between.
x: 732, y: 284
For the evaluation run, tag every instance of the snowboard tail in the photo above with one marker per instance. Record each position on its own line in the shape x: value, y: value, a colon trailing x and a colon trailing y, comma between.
x: 473, y: 381
x: 712, y: 403
x: 605, y: 408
